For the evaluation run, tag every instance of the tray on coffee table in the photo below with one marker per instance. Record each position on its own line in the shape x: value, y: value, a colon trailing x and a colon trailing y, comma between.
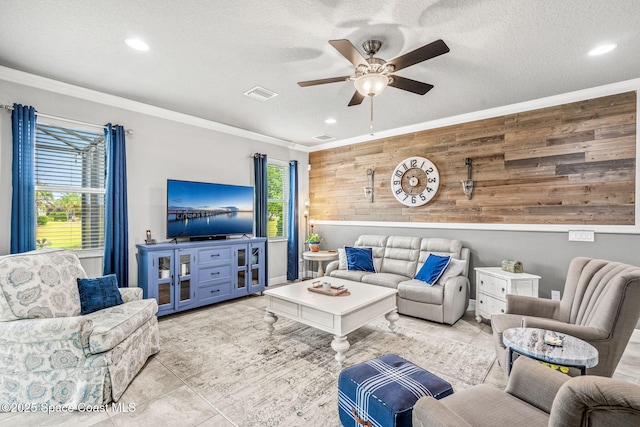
x: 334, y: 291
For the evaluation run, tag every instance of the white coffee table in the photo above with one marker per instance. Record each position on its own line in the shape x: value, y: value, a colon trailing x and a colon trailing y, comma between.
x: 338, y: 315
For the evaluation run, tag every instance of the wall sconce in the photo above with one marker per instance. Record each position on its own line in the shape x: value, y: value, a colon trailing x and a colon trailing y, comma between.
x: 305, y: 263
x: 306, y: 215
x: 467, y: 184
x: 368, y: 190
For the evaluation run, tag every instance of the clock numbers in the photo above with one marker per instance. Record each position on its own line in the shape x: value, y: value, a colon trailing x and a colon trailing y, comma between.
x: 415, y: 181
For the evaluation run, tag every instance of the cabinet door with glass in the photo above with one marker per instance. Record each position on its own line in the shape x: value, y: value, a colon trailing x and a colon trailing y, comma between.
x: 256, y: 267
x: 239, y: 273
x: 161, y: 281
x: 185, y: 293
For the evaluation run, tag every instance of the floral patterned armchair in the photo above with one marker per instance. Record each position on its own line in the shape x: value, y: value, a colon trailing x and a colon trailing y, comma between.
x: 52, y: 355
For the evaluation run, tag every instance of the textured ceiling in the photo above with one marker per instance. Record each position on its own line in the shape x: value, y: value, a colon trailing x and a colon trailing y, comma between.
x: 205, y: 54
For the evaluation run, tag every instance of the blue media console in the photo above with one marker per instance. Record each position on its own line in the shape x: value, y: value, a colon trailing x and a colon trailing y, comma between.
x: 185, y: 275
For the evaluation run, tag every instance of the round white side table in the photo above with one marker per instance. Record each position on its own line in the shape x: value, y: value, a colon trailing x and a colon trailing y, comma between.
x: 320, y: 256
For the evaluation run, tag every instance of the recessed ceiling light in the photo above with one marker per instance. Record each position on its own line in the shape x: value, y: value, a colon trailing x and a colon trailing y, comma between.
x: 602, y: 49
x: 330, y: 121
x: 137, y: 44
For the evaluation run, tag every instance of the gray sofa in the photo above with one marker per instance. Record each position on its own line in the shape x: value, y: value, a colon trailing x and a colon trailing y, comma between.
x: 397, y: 259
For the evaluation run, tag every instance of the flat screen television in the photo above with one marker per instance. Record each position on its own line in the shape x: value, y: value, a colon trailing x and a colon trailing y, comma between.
x: 200, y: 210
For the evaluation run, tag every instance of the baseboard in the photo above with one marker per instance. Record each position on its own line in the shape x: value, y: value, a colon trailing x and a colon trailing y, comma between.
x: 276, y: 280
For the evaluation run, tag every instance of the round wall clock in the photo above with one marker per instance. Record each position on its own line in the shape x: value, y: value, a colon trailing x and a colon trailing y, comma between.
x: 415, y: 181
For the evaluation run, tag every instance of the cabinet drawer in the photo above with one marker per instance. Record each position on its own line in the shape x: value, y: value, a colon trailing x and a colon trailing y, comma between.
x: 214, y: 256
x: 524, y: 287
x: 317, y: 316
x: 490, y: 305
x: 210, y: 294
x: 209, y: 276
x: 492, y: 285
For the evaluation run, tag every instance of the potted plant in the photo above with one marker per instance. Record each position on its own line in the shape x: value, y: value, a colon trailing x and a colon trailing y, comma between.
x: 314, y: 240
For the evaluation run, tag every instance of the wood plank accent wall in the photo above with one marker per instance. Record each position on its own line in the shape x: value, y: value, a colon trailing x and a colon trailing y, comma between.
x: 567, y: 164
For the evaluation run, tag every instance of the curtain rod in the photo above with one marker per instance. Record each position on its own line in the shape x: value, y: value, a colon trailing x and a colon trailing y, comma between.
x: 49, y: 116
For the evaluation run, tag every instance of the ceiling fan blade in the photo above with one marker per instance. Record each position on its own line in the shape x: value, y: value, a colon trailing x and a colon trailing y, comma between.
x: 349, y: 51
x: 423, y: 53
x: 323, y: 81
x: 356, y: 99
x: 410, y: 85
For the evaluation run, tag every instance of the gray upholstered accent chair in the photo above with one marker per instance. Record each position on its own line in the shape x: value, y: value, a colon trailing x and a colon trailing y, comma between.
x: 536, y: 396
x: 600, y: 305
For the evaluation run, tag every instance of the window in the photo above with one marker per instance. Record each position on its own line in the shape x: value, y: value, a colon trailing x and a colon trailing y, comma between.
x: 277, y: 198
x: 70, y: 188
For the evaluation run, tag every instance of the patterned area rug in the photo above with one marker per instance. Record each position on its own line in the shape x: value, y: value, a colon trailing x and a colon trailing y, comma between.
x: 290, y: 379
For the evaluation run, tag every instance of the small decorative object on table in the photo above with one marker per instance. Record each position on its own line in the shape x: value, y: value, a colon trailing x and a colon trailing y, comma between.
x: 327, y: 288
x: 512, y: 266
x: 149, y: 240
x: 553, y: 339
x: 314, y: 240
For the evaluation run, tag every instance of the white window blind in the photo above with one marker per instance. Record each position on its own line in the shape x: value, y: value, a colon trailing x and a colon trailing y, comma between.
x: 70, y: 187
x: 277, y: 198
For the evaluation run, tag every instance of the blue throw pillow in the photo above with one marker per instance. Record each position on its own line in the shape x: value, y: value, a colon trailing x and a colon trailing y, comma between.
x: 433, y: 268
x: 98, y: 293
x: 359, y: 259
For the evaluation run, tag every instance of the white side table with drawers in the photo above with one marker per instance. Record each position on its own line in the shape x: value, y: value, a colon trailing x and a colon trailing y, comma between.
x: 492, y: 286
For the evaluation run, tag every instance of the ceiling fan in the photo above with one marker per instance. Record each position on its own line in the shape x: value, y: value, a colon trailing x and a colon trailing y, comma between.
x: 372, y: 75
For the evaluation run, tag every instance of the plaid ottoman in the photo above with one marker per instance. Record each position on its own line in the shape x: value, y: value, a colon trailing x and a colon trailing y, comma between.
x: 381, y: 392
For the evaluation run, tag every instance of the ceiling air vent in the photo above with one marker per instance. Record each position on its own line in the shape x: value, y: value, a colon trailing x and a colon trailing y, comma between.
x: 324, y: 137
x: 260, y: 93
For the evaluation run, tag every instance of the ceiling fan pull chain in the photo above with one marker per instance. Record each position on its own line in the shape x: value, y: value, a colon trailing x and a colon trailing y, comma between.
x: 371, y: 126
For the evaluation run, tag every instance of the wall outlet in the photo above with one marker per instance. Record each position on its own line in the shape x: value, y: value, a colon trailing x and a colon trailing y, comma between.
x: 555, y: 295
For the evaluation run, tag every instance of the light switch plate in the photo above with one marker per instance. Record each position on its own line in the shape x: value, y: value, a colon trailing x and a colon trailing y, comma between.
x: 581, y: 236
x: 555, y: 295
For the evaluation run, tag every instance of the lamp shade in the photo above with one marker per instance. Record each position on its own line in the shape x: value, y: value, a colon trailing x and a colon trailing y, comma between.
x: 371, y: 84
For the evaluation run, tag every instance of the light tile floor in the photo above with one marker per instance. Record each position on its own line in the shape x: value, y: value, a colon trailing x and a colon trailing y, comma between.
x: 162, y: 397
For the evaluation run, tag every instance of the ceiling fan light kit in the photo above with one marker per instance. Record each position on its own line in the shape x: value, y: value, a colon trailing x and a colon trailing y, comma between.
x: 371, y: 84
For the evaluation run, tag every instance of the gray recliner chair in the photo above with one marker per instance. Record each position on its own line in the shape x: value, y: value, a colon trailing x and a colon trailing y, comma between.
x: 600, y: 305
x: 536, y: 396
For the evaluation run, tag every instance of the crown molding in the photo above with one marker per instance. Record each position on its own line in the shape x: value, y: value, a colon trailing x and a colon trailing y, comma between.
x: 549, y: 101
x: 55, y: 86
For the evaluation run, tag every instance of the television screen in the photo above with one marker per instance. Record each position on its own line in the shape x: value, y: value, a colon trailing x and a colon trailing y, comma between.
x: 199, y: 209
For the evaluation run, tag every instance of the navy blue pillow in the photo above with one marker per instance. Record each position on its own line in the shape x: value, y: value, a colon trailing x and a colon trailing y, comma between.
x: 433, y: 268
x: 359, y: 259
x: 98, y: 293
